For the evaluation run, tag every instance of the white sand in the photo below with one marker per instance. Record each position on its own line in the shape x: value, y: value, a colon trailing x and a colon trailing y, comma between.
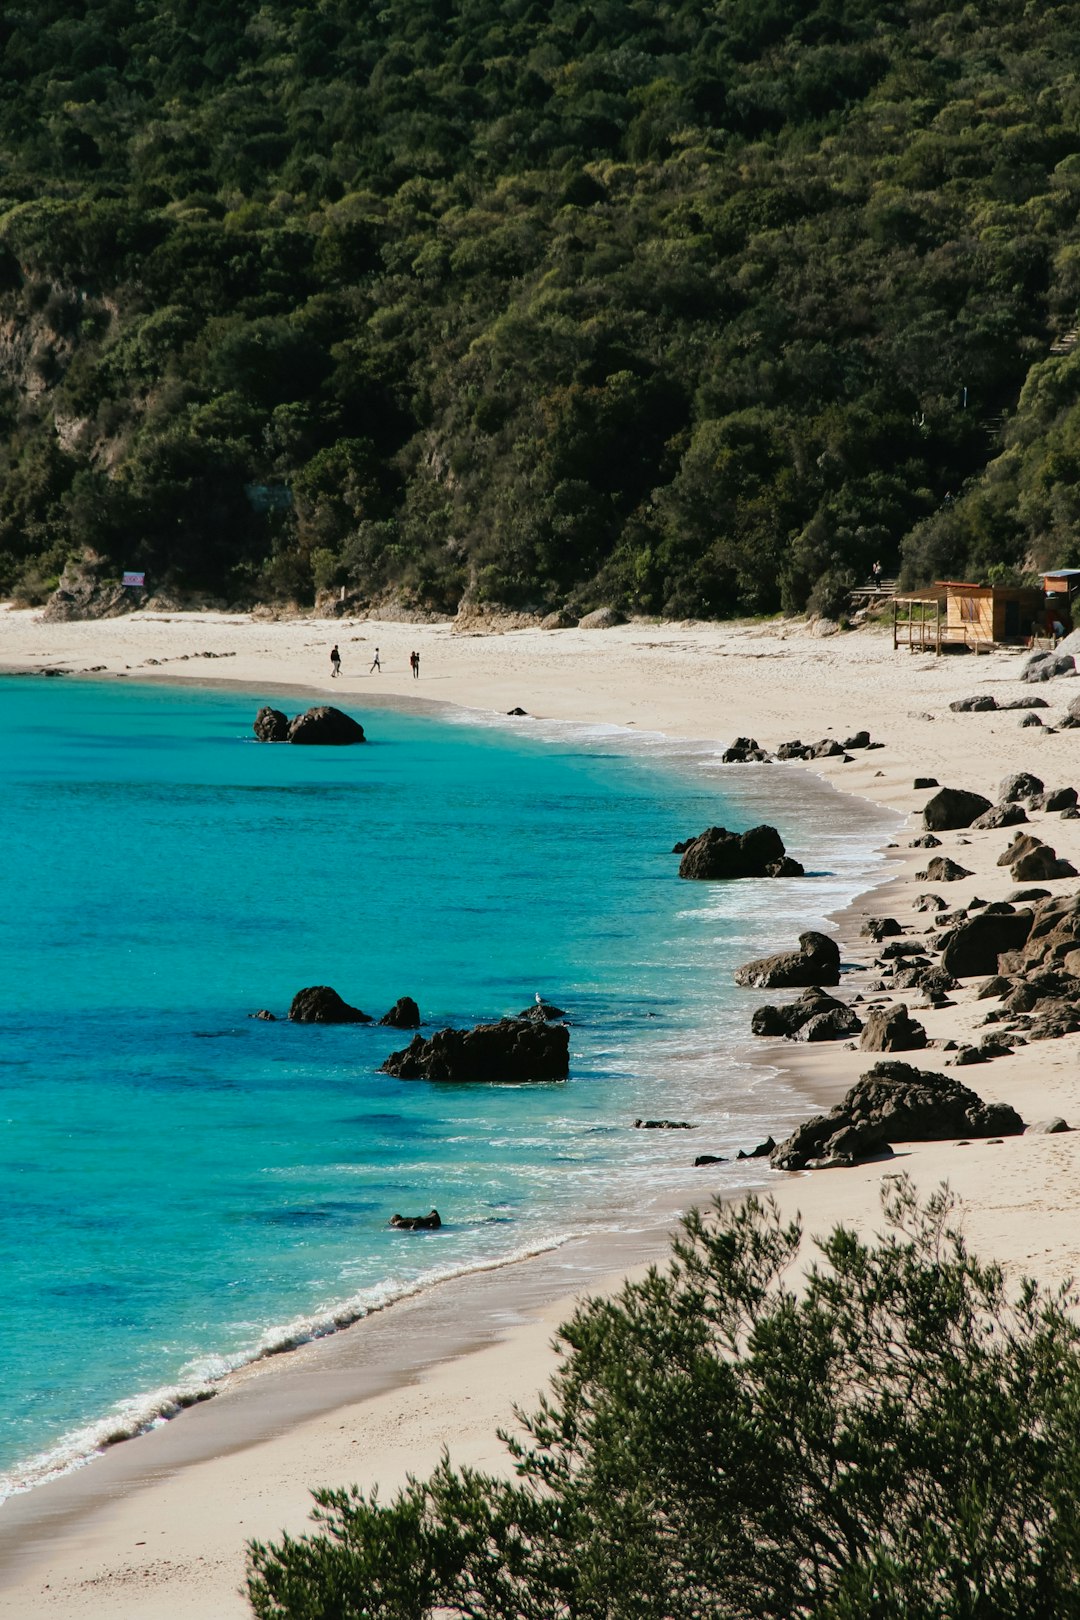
x: 156, y: 1528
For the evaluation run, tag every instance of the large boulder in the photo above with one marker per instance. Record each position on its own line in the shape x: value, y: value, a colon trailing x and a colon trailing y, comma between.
x: 1037, y: 862
x: 951, y: 808
x: 717, y: 853
x: 999, y: 815
x: 816, y: 962
x: 894, y: 1102
x: 404, y: 1014
x: 514, y: 1049
x: 325, y: 725
x: 1063, y: 798
x: 879, y: 928
x: 744, y: 751
x: 889, y: 1029
x: 602, y: 618
x: 973, y: 705
x: 1054, y: 937
x: 271, y: 725
x: 1046, y: 666
x: 319, y: 1004
x: 973, y: 947
x: 1020, y: 785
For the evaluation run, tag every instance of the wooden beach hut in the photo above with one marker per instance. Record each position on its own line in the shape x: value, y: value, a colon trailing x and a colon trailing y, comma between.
x: 1061, y: 587
x: 957, y: 613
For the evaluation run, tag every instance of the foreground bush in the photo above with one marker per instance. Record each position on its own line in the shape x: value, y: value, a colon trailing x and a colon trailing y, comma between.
x: 896, y: 1438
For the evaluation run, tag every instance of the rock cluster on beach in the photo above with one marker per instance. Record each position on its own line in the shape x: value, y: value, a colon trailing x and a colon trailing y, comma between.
x: 893, y: 1102
x: 323, y: 726
x: 717, y: 853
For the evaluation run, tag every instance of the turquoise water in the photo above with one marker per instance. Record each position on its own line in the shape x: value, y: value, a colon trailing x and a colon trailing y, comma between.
x: 185, y: 1187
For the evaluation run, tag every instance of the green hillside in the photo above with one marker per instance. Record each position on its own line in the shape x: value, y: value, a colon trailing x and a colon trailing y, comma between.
x: 687, y: 307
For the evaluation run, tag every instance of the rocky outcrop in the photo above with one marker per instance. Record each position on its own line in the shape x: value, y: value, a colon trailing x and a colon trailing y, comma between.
x: 1053, y: 940
x: 744, y: 751
x: 816, y: 962
x: 830, y: 1019
x: 271, y: 725
x: 951, y: 808
x: 717, y: 853
x: 1063, y: 798
x: 879, y: 928
x: 542, y: 1012
x: 889, y: 1029
x: 325, y: 726
x: 514, y: 1049
x: 1032, y: 861
x: 602, y: 618
x: 893, y: 1102
x: 943, y: 870
x: 404, y: 1014
x: 416, y: 1223
x: 974, y: 946
x: 89, y: 589
x: 929, y: 902
x: 981, y: 704
x: 319, y: 1004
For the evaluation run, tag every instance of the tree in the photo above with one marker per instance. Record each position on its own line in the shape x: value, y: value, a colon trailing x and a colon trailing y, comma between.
x: 893, y: 1435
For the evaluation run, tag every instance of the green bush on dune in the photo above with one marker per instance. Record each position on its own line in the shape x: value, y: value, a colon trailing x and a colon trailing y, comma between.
x: 893, y: 1437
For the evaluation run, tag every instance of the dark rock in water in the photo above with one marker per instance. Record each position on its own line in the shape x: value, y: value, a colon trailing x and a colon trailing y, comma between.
x: 542, y: 1012
x: 879, y: 928
x: 889, y: 1029
x: 861, y: 739
x: 925, y: 782
x: 514, y: 1049
x: 894, y: 1102
x: 974, y: 946
x: 1020, y: 785
x: 1000, y: 815
x: 318, y: 1004
x: 817, y: 961
x: 943, y: 870
x: 951, y: 808
x: 708, y: 1158
x: 927, y: 841
x: 404, y: 1014
x: 663, y: 1125
x: 1063, y: 798
x: 717, y: 853
x: 266, y: 1016
x: 271, y: 725
x: 762, y: 1150
x: 416, y: 1223
x: 929, y: 902
x: 521, y: 713
x: 973, y: 705
x: 682, y: 846
x: 325, y: 726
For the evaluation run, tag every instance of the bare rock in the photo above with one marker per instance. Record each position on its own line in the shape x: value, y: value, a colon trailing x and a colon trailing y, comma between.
x: 889, y: 1029
x: 271, y: 725
x: 603, y: 618
x: 973, y: 705
x: 319, y: 1004
x: 951, y: 808
x: 816, y: 962
x: 514, y: 1049
x: 1063, y: 798
x: 929, y: 902
x: 927, y: 841
x: 974, y: 947
x: 404, y: 1014
x: 1000, y: 815
x: 416, y: 1223
x: 925, y: 782
x: 1047, y: 666
x: 325, y: 726
x: 717, y: 853
x: 943, y: 870
x: 1047, y: 1127
x: 879, y: 928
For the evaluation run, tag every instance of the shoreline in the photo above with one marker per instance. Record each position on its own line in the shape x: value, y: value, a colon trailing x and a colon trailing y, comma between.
x: 656, y: 673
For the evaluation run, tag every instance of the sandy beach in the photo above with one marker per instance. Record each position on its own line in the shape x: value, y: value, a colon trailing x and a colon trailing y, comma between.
x: 156, y: 1528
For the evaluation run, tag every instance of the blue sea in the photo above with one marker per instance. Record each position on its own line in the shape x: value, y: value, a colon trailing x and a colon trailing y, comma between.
x: 185, y: 1188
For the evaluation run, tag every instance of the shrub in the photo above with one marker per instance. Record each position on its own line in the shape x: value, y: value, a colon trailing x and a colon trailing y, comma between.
x: 894, y: 1436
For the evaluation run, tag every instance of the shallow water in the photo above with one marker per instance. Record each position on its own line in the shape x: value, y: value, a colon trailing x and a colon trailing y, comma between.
x: 184, y: 1186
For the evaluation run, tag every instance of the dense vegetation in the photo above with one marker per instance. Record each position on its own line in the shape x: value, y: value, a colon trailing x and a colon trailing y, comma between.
x: 895, y: 1441
x: 691, y: 307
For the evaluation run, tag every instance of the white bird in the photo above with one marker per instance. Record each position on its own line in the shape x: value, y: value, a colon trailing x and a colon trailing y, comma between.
x: 539, y: 999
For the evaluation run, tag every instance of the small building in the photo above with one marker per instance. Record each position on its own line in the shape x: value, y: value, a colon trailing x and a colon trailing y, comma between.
x: 1061, y: 587
x: 955, y: 613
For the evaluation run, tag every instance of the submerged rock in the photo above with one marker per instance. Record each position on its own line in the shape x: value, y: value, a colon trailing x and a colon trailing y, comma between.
x: 417, y: 1223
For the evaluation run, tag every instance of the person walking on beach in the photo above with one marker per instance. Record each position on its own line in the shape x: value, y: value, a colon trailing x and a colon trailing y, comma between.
x: 414, y: 662
x: 376, y: 663
x: 335, y: 662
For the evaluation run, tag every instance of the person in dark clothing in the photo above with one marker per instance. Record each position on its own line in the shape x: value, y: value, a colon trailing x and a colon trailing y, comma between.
x: 335, y: 662
x: 376, y: 663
